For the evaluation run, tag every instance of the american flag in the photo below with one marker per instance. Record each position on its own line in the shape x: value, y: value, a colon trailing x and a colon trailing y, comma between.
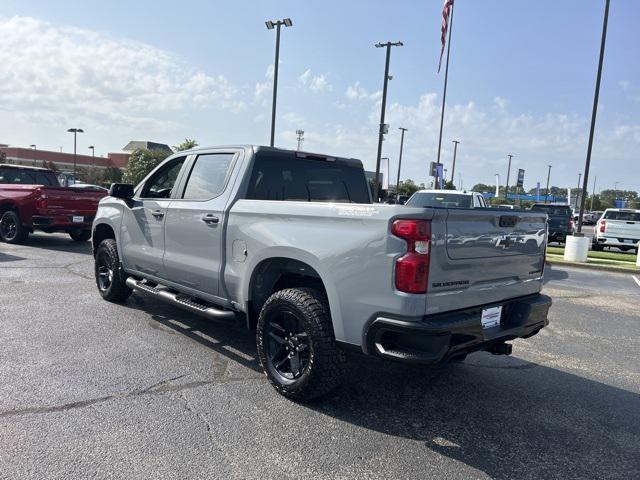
x: 446, y: 11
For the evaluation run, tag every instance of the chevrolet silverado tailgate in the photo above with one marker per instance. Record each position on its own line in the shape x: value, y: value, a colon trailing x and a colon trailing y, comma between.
x: 484, y: 255
x: 72, y: 201
x: 621, y: 224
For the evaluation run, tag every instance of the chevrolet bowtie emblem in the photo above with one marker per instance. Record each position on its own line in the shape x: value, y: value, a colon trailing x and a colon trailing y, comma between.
x: 505, y: 241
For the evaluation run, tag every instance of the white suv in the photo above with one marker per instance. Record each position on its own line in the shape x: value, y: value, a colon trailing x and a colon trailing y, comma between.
x: 618, y: 227
x: 446, y: 199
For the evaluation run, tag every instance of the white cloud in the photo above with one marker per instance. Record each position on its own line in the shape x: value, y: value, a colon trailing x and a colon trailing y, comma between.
x: 57, y: 72
x: 304, y: 78
x: 357, y: 92
x: 293, y: 118
x: 500, y: 102
x: 315, y: 83
x: 261, y: 88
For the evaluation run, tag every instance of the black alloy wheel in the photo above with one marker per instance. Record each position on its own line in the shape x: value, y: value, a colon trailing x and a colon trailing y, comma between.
x: 11, y: 229
x: 104, y: 270
x: 288, y: 348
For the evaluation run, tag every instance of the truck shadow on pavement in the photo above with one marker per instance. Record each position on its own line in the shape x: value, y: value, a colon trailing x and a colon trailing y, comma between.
x: 228, y: 339
x: 552, y: 274
x: 504, y: 416
x: 5, y: 257
x: 59, y: 243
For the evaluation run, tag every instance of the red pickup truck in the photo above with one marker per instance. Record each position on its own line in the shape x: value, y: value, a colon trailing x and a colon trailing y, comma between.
x: 32, y: 199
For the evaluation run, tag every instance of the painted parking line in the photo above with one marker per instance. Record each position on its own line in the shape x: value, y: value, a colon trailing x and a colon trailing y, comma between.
x: 637, y: 280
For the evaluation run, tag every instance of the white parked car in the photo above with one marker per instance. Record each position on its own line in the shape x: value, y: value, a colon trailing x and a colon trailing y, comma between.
x: 618, y: 227
x: 446, y: 199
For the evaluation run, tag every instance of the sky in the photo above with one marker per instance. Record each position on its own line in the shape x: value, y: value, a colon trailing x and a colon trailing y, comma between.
x: 521, y: 81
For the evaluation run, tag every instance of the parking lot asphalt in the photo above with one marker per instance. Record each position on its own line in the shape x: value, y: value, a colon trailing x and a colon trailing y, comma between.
x: 90, y: 389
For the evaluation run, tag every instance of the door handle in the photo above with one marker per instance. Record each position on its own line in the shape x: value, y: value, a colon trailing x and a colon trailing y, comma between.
x: 210, y: 218
x: 158, y: 214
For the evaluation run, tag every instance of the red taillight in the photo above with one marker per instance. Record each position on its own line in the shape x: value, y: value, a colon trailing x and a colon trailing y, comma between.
x: 571, y: 224
x: 603, y: 225
x: 412, y: 269
x: 41, y: 199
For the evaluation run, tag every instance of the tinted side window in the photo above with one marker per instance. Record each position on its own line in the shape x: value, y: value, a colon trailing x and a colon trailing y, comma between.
x: 287, y: 177
x: 208, y: 176
x: 27, y: 177
x: 162, y: 182
x: 45, y: 178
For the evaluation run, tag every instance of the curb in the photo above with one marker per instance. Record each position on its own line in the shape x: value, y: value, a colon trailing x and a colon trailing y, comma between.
x: 586, y: 266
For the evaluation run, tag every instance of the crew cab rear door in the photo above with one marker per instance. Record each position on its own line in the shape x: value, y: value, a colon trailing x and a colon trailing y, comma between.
x: 195, y: 221
x: 143, y: 220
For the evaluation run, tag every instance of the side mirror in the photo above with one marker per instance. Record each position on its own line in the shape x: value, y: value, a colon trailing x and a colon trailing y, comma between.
x: 121, y: 190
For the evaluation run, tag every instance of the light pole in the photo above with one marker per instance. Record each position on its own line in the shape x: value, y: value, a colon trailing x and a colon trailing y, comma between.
x: 578, y: 189
x: 453, y: 168
x: 93, y: 155
x: 593, y: 194
x: 300, y: 134
x: 383, y: 127
x: 34, y: 154
x: 75, y: 132
x: 546, y: 198
x: 506, y: 190
x: 270, y: 24
x: 497, y: 175
x: 594, y: 111
x: 615, y: 193
x: 400, y: 164
x: 445, y: 176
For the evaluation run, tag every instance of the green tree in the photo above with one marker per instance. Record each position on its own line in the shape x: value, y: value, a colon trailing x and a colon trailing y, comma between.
x: 141, y: 162
x: 111, y: 175
x: 188, y: 144
x: 51, y: 166
x: 608, y: 196
x: 483, y: 188
x: 409, y: 187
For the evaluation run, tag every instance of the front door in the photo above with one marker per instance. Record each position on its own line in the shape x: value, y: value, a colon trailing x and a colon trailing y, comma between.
x: 194, y: 224
x: 143, y: 220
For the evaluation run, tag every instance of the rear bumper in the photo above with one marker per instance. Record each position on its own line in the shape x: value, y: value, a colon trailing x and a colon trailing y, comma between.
x: 61, y: 222
x: 616, y: 242
x: 558, y: 236
x: 436, y: 338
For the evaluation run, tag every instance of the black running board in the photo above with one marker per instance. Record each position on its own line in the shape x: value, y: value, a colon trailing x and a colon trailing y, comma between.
x: 181, y: 300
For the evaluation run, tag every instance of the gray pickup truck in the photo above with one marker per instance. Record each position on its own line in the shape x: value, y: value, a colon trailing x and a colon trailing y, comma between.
x: 291, y: 244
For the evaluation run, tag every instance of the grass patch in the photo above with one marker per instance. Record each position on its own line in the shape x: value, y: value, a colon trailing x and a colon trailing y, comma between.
x: 600, y: 262
x: 617, y: 256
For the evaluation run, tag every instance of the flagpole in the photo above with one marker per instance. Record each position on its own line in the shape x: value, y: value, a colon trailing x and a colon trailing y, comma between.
x: 444, y: 93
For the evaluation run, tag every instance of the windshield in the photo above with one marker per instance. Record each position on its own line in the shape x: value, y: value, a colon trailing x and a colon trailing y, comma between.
x: 625, y: 216
x: 553, y: 210
x: 440, y: 199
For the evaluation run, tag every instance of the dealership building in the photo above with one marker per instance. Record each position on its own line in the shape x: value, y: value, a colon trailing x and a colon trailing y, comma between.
x: 65, y: 161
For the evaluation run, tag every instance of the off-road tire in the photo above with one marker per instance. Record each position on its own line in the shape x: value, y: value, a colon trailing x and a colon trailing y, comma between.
x: 11, y: 228
x: 80, y: 236
x: 324, y: 367
x: 113, y: 290
x: 597, y: 248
